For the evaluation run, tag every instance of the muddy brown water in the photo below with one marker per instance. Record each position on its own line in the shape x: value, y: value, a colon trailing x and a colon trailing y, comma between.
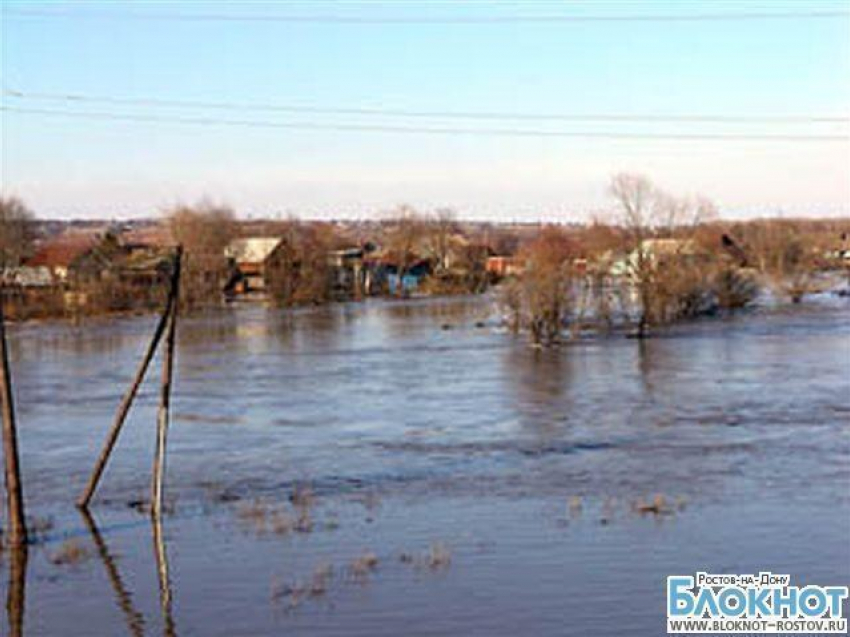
x: 459, y: 482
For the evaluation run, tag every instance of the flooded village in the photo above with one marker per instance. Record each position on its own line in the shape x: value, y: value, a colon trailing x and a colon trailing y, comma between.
x: 694, y: 263
x: 475, y: 318
x: 372, y: 416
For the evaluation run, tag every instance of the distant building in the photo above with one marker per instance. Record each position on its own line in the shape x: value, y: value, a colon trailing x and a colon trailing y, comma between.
x: 410, y: 279
x: 28, y: 277
x: 253, y: 260
x: 68, y: 256
x: 504, y: 266
x: 841, y: 253
x: 654, y: 251
x: 347, y: 273
x: 77, y: 269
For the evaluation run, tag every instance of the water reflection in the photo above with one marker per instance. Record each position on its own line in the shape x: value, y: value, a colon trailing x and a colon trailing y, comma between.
x: 135, y: 620
x: 541, y: 383
x: 123, y: 597
x: 647, y: 363
x: 165, y: 597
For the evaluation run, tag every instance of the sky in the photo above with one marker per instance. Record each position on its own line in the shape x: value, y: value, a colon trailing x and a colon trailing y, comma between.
x: 113, y: 159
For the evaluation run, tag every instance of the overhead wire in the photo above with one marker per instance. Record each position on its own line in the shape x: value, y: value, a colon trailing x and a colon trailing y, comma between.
x: 416, y: 113
x: 438, y: 130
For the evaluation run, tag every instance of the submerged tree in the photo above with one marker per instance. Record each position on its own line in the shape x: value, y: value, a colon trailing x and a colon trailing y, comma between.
x: 662, y: 260
x: 299, y: 271
x: 204, y: 230
x: 403, y: 236
x: 785, y: 255
x: 439, y: 230
x: 542, y: 298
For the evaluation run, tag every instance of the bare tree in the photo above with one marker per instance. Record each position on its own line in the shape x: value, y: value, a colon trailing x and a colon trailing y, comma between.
x: 204, y: 230
x: 16, y: 226
x: 662, y: 273
x: 785, y: 254
x: 299, y: 271
x: 402, y: 240
x: 440, y: 229
x: 542, y: 298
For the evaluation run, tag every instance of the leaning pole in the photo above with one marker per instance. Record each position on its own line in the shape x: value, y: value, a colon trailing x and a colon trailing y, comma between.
x: 14, y: 491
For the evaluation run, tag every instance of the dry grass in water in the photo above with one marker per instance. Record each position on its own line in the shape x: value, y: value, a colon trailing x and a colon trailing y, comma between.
x: 39, y: 527
x: 363, y: 565
x: 439, y: 557
x: 321, y: 579
x: 296, y: 592
x: 302, y: 497
x: 609, y: 507
x: 254, y: 514
x: 436, y: 558
x: 280, y: 523
x: 263, y: 517
x: 70, y: 553
x: 304, y: 521
x: 658, y: 506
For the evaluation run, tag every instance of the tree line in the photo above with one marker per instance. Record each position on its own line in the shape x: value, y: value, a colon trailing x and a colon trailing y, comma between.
x: 652, y: 259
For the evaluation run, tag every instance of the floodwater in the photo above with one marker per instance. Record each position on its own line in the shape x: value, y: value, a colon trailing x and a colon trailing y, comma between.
x: 406, y: 468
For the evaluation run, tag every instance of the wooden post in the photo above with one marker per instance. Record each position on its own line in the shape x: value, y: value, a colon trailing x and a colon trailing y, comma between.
x: 130, y: 395
x: 18, y: 556
x: 14, y: 491
x: 163, y: 413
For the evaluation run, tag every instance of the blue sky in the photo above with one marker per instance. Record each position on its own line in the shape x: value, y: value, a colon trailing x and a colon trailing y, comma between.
x: 89, y: 166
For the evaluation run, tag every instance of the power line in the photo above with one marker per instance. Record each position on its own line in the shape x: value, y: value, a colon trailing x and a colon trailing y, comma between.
x: 393, y: 112
x: 382, y: 128
x: 435, y: 20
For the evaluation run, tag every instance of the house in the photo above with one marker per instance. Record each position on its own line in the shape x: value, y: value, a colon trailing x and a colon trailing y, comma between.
x: 28, y: 277
x: 381, y: 273
x: 77, y: 269
x: 70, y: 256
x: 653, y: 252
x: 504, y: 266
x: 253, y: 259
x: 347, y: 272
x: 841, y: 254
x: 410, y: 279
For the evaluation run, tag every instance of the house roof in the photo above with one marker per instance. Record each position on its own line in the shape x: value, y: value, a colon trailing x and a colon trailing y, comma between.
x: 63, y: 250
x: 252, y: 249
x: 28, y: 276
x: 157, y: 236
x: 667, y: 247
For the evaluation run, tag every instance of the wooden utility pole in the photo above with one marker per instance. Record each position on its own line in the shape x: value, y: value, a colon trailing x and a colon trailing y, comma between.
x: 130, y: 395
x: 15, y: 597
x: 14, y: 491
x: 163, y: 414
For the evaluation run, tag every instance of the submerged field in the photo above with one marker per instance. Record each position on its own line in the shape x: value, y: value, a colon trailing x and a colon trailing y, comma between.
x: 409, y: 468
